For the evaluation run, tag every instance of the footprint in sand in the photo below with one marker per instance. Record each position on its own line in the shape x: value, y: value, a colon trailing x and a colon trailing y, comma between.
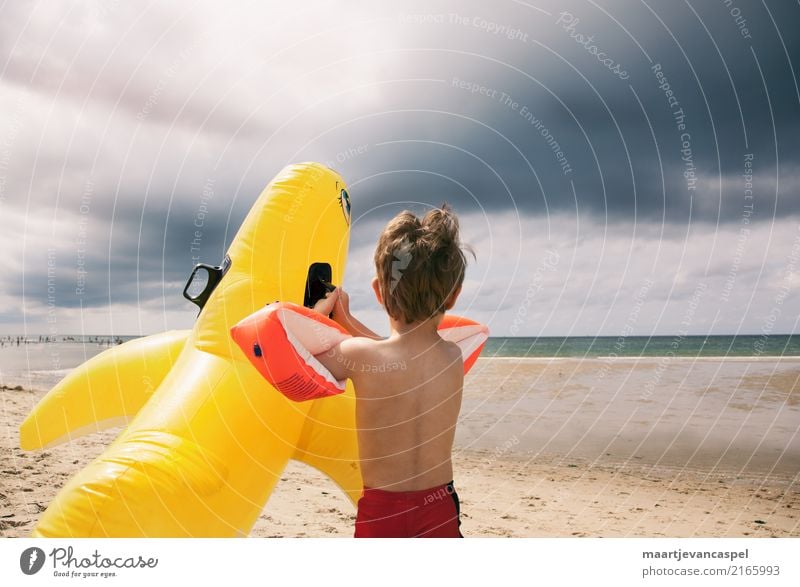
x: 6, y: 524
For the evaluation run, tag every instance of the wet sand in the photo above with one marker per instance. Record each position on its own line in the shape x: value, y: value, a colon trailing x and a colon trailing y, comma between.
x: 546, y: 448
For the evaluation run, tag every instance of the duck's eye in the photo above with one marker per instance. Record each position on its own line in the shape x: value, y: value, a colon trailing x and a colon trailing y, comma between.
x: 344, y: 201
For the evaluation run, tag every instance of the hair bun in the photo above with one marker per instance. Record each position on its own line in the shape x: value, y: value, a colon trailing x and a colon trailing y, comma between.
x: 441, y: 224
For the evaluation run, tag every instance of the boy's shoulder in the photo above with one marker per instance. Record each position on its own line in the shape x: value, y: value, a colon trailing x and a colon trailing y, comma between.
x: 362, y: 355
x: 348, y: 357
x: 370, y: 351
x: 361, y: 343
x: 451, y: 346
x: 454, y: 354
x: 360, y: 349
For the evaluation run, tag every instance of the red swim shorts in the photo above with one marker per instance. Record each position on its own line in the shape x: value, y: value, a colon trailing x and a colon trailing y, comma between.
x: 429, y: 513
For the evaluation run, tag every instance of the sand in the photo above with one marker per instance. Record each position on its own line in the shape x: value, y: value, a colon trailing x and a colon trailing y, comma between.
x: 510, y: 482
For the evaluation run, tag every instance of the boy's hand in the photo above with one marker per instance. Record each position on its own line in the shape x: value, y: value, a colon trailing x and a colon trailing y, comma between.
x: 342, y: 316
x: 341, y: 309
x: 326, y: 305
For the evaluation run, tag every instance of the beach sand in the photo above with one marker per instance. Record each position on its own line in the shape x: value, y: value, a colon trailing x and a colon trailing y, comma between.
x: 539, y: 479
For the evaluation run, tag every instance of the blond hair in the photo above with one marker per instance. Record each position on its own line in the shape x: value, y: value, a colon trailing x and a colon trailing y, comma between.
x: 420, y: 263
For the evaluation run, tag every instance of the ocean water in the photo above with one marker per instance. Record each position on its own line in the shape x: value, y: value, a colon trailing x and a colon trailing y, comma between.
x: 645, y: 346
x: 33, y: 363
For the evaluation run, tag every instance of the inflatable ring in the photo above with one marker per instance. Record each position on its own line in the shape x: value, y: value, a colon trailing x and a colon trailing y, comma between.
x: 282, y: 339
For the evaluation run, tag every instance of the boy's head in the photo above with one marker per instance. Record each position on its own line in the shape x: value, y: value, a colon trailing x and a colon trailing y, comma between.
x: 419, y: 264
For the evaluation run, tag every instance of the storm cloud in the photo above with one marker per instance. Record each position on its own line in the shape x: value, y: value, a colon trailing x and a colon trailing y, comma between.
x: 639, y: 142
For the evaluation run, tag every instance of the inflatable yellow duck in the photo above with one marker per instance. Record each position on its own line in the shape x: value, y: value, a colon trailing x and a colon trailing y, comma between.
x: 208, y: 437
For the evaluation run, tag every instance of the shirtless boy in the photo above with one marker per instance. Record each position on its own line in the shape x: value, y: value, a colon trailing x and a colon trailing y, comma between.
x: 408, y: 386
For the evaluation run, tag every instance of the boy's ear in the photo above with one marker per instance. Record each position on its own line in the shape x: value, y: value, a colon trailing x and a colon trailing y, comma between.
x: 451, y: 301
x: 377, y: 287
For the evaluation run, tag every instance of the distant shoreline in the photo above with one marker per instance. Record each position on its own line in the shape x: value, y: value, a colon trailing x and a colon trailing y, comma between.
x: 605, y: 348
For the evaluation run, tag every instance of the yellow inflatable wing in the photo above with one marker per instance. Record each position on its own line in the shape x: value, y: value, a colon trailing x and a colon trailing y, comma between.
x: 105, y: 391
x: 205, y: 450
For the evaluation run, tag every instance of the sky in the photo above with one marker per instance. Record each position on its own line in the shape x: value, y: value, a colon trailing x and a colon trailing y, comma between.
x: 619, y: 167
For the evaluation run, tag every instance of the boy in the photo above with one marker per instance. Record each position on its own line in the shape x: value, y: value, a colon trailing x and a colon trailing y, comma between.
x: 408, y: 386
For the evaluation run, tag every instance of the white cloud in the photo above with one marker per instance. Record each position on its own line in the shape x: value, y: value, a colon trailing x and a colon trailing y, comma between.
x: 601, y: 272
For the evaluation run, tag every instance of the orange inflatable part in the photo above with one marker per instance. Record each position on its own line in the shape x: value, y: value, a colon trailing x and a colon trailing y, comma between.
x: 281, y: 340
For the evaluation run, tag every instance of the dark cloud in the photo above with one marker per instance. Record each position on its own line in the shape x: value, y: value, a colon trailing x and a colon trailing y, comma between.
x: 501, y: 110
x: 619, y: 136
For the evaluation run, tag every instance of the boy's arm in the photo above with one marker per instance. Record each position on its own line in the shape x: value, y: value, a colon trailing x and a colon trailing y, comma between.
x: 355, y: 326
x: 343, y: 359
x: 337, y: 303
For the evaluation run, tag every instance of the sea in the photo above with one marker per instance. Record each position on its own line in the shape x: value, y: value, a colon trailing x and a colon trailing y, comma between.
x: 728, y: 404
x: 39, y: 362
x: 743, y: 345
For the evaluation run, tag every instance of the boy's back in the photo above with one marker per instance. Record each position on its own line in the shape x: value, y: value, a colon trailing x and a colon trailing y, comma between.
x: 408, y: 390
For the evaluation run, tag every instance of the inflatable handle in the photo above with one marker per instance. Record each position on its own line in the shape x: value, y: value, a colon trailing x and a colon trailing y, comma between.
x: 281, y: 340
x: 318, y: 284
